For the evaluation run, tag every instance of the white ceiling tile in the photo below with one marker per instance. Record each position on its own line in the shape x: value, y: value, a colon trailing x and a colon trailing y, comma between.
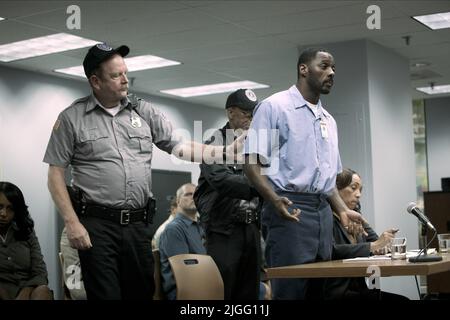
x: 415, y: 8
x: 220, y: 41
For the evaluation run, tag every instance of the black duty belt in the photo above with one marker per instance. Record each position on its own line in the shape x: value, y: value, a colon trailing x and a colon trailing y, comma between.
x: 245, y: 216
x: 121, y: 216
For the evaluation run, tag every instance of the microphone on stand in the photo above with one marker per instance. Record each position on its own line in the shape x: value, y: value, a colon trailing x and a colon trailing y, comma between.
x: 414, y: 210
x: 423, y: 255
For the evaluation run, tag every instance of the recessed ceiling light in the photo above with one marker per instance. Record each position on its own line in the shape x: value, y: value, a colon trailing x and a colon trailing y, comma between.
x: 214, y: 88
x: 73, y: 71
x: 435, y: 21
x: 148, y: 62
x: 420, y: 64
x: 42, y: 45
x: 435, y: 89
x: 134, y: 64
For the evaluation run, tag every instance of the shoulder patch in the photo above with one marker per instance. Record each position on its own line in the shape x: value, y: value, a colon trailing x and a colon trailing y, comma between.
x: 56, y: 125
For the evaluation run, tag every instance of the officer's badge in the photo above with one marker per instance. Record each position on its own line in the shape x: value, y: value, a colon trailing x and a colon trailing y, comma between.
x: 250, y: 95
x: 136, y: 122
x: 104, y: 47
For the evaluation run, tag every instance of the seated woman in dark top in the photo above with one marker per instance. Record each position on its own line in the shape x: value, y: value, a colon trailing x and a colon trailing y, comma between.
x: 23, y: 273
x: 346, y: 245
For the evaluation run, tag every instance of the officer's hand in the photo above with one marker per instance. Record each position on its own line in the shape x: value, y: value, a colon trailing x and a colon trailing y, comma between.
x: 353, y: 221
x: 355, y: 228
x: 234, y: 150
x: 78, y: 236
x: 282, y: 204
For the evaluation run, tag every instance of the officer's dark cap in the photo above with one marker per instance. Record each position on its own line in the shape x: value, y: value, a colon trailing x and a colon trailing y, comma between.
x: 99, y: 53
x: 244, y: 99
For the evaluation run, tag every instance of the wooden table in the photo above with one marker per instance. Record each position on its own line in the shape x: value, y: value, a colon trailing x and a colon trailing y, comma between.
x: 338, y: 268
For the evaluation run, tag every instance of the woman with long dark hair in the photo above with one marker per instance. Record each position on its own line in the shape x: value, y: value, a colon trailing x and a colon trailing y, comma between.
x: 356, y: 244
x: 23, y: 274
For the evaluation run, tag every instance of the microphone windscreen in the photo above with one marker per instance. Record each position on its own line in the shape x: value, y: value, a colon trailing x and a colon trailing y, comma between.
x: 411, y: 206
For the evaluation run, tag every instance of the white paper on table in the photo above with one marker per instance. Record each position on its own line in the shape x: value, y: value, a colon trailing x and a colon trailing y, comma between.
x: 371, y: 258
x: 409, y: 253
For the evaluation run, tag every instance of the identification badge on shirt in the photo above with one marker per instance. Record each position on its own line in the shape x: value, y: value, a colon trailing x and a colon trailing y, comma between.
x: 136, y: 122
x: 323, y: 129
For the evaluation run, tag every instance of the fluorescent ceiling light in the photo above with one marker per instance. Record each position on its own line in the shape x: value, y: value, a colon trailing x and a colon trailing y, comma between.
x: 148, y: 62
x: 214, y: 88
x: 2, y: 18
x: 133, y: 64
x: 73, y: 71
x: 420, y: 64
x: 435, y: 21
x: 435, y: 89
x: 42, y: 45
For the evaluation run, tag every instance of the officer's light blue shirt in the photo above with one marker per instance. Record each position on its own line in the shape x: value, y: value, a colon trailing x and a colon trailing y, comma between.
x: 298, y: 150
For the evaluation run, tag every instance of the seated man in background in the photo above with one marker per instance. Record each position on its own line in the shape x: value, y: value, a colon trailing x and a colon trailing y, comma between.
x: 183, y: 235
x: 23, y: 273
x: 162, y: 227
x: 346, y: 245
x: 72, y: 269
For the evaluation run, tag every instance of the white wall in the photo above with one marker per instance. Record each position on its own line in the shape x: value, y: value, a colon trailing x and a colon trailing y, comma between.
x: 393, y: 156
x: 29, y: 106
x: 348, y: 102
x: 392, y: 140
x: 437, y: 114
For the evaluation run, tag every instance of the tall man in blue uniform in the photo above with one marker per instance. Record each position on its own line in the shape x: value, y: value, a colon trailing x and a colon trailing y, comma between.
x: 295, y: 171
x: 107, y: 138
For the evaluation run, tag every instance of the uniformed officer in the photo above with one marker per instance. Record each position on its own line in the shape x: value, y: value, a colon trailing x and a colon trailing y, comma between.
x: 107, y: 138
x: 300, y: 165
x: 229, y: 207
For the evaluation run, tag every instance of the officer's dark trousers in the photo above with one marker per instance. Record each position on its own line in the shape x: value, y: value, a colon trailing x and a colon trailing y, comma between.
x: 238, y: 257
x: 290, y: 243
x: 120, y: 263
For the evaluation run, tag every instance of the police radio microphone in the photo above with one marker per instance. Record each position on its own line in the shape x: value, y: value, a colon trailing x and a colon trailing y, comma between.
x: 414, y: 210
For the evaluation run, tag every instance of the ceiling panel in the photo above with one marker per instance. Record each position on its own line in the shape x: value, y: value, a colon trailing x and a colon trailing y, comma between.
x: 195, y: 39
x: 421, y: 38
x: 307, y: 21
x: 12, y: 31
x: 236, y: 11
x: 20, y: 9
x: 416, y: 8
x: 219, y: 41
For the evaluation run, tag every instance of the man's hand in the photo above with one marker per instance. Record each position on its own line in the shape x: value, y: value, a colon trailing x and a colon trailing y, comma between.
x: 282, y: 204
x: 78, y: 236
